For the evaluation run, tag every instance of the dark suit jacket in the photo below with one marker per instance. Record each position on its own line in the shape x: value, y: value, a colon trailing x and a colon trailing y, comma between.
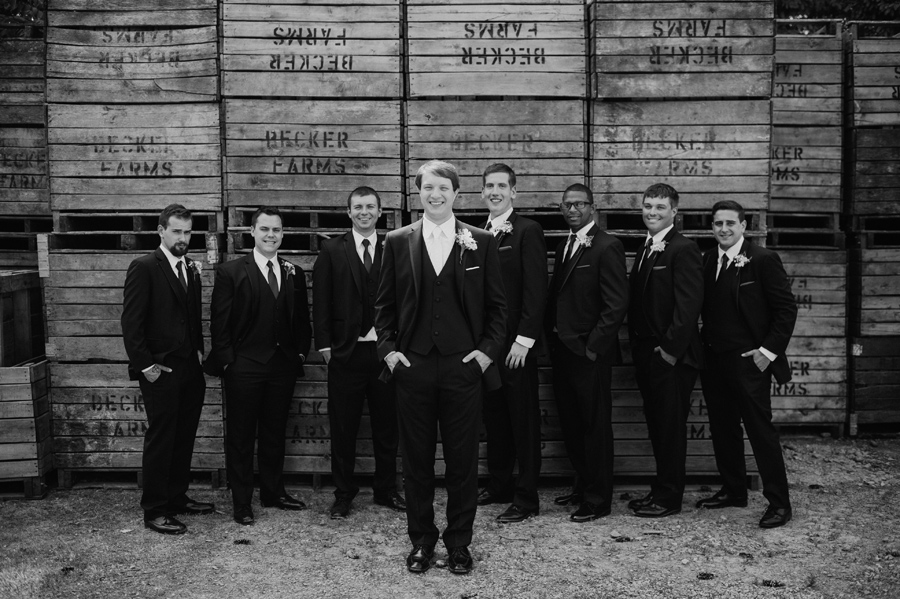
x: 155, y: 311
x: 523, y: 260
x: 337, y: 295
x: 478, y: 280
x: 765, y: 301
x: 235, y: 302
x: 590, y: 296
x: 671, y: 288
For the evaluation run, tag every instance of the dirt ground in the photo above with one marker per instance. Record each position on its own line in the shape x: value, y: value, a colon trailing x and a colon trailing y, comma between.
x: 843, y: 542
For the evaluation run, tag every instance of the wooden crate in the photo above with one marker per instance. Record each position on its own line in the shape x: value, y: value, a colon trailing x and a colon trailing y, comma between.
x: 876, y: 382
x: 492, y: 48
x: 876, y: 174
x: 134, y: 157
x: 876, y: 310
x: 311, y: 153
x: 706, y: 150
x: 875, y: 54
x: 312, y: 48
x: 543, y: 141
x: 130, y: 13
x: 24, y: 184
x: 18, y: 240
x: 99, y: 420
x: 22, y: 83
x: 672, y: 49
x: 22, y: 330
x: 25, y: 446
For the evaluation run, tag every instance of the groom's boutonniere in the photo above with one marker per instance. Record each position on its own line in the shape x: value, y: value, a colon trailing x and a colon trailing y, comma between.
x: 288, y: 267
x: 741, y: 260
x: 585, y: 241
x: 196, y: 266
x: 465, y: 240
x: 504, y: 228
x: 658, y: 246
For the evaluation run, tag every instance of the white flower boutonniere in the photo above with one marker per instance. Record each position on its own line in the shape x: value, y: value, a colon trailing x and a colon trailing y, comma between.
x: 465, y: 240
x: 288, y: 267
x: 196, y: 266
x: 504, y: 228
x: 659, y: 246
x: 741, y: 260
x: 585, y: 241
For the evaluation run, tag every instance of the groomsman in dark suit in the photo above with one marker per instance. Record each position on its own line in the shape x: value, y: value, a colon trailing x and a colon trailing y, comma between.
x: 749, y: 313
x: 441, y: 322
x: 666, y: 297
x: 260, y: 338
x: 512, y: 415
x: 345, y: 279
x: 164, y: 342
x: 585, y: 309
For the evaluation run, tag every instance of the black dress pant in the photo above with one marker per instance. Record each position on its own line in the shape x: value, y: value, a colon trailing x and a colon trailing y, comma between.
x: 257, y: 400
x: 350, y: 384
x: 173, y: 404
x: 584, y: 401
x: 512, y: 420
x: 734, y: 389
x: 666, y: 393
x: 439, y: 392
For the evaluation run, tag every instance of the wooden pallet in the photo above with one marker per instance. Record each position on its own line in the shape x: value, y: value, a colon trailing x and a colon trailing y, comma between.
x: 804, y: 230
x: 704, y: 49
x: 25, y: 446
x: 69, y: 478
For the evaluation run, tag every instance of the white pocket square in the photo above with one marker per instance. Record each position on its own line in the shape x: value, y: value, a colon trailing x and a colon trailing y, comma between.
x: 583, y: 266
x: 659, y: 267
x: 473, y: 268
x: 748, y: 283
x: 505, y: 247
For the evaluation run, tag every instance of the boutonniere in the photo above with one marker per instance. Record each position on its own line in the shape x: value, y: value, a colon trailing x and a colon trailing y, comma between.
x: 196, y: 266
x: 658, y: 246
x: 504, y: 228
x: 288, y: 267
x: 465, y: 240
x: 741, y: 260
x: 585, y: 241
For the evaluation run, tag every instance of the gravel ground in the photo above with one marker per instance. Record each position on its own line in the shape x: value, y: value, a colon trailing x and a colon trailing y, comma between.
x: 843, y: 542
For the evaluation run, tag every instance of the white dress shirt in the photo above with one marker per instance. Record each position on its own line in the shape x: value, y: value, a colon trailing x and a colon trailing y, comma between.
x: 658, y: 238
x: 439, y: 246
x: 371, y: 335
x: 264, y: 269
x: 580, y: 234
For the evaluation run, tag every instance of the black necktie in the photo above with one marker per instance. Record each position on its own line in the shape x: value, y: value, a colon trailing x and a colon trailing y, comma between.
x: 570, y: 250
x: 181, y: 279
x: 646, y: 253
x: 723, y: 267
x: 273, y: 282
x: 367, y: 259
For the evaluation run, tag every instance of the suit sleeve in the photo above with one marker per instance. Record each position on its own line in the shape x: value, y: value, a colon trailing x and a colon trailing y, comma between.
x: 220, y: 317
x: 494, y: 334
x: 687, y: 278
x: 613, y: 283
x: 534, y: 282
x: 322, y: 299
x: 135, y: 310
x: 386, y: 318
x: 782, y: 306
x: 302, y: 328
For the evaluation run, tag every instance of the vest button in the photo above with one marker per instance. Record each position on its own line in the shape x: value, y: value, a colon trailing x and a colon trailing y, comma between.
x: 438, y: 283
x: 437, y: 299
x: 435, y: 333
x: 437, y: 315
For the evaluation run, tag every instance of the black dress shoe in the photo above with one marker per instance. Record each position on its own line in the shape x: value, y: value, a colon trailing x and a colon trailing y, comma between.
x: 569, y: 499
x: 722, y: 499
x: 485, y: 497
x: 285, y: 502
x: 654, y: 510
x: 244, y: 515
x: 340, y: 509
x: 166, y: 525
x: 640, y: 502
x: 194, y: 508
x: 419, y: 559
x: 459, y: 560
x: 588, y: 511
x: 775, y: 517
x: 393, y: 500
x: 514, y: 513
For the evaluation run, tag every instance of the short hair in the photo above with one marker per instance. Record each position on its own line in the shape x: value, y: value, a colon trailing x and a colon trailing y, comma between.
x: 176, y: 210
x: 499, y: 167
x: 267, y: 210
x: 438, y: 168
x: 729, y: 205
x: 582, y: 188
x: 363, y: 191
x: 661, y: 190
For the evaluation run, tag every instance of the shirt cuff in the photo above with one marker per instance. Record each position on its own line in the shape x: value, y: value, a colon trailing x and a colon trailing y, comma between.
x: 147, y: 369
x: 767, y: 354
x: 321, y: 349
x: 525, y: 341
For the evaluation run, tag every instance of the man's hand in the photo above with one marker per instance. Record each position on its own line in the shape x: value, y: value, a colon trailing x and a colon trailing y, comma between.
x: 761, y: 361
x: 478, y: 356
x: 393, y: 358
x: 326, y: 353
x: 590, y: 355
x: 669, y: 358
x: 154, y: 372
x: 516, y: 356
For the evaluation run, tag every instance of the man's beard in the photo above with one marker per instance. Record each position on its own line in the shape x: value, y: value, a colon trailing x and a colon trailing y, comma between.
x: 179, y: 250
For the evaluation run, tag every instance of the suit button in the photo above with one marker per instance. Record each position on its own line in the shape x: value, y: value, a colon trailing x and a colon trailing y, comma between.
x: 437, y: 316
x: 435, y: 333
x: 437, y: 299
x: 438, y: 283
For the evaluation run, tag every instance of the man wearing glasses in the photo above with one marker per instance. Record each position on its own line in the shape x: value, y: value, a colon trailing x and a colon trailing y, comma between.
x: 586, y: 305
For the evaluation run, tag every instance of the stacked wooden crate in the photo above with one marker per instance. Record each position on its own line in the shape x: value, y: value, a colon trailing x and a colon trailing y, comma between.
x: 24, y: 187
x: 133, y: 125
x: 874, y: 214
x: 312, y: 110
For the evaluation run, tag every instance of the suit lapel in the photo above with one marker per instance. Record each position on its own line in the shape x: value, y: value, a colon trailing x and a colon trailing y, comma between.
x: 570, y: 265
x: 746, y: 249
x: 288, y: 286
x: 174, y: 283
x: 652, y: 259
x: 352, y: 258
x: 250, y: 270
x: 511, y: 220
x: 414, y: 241
x: 459, y: 258
x: 379, y: 249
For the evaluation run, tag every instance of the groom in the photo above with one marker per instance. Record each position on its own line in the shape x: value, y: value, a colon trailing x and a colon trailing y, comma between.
x: 441, y: 322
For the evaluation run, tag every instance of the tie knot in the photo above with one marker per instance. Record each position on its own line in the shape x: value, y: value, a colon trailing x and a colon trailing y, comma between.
x: 179, y: 265
x: 724, y: 259
x: 365, y: 243
x: 269, y: 264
